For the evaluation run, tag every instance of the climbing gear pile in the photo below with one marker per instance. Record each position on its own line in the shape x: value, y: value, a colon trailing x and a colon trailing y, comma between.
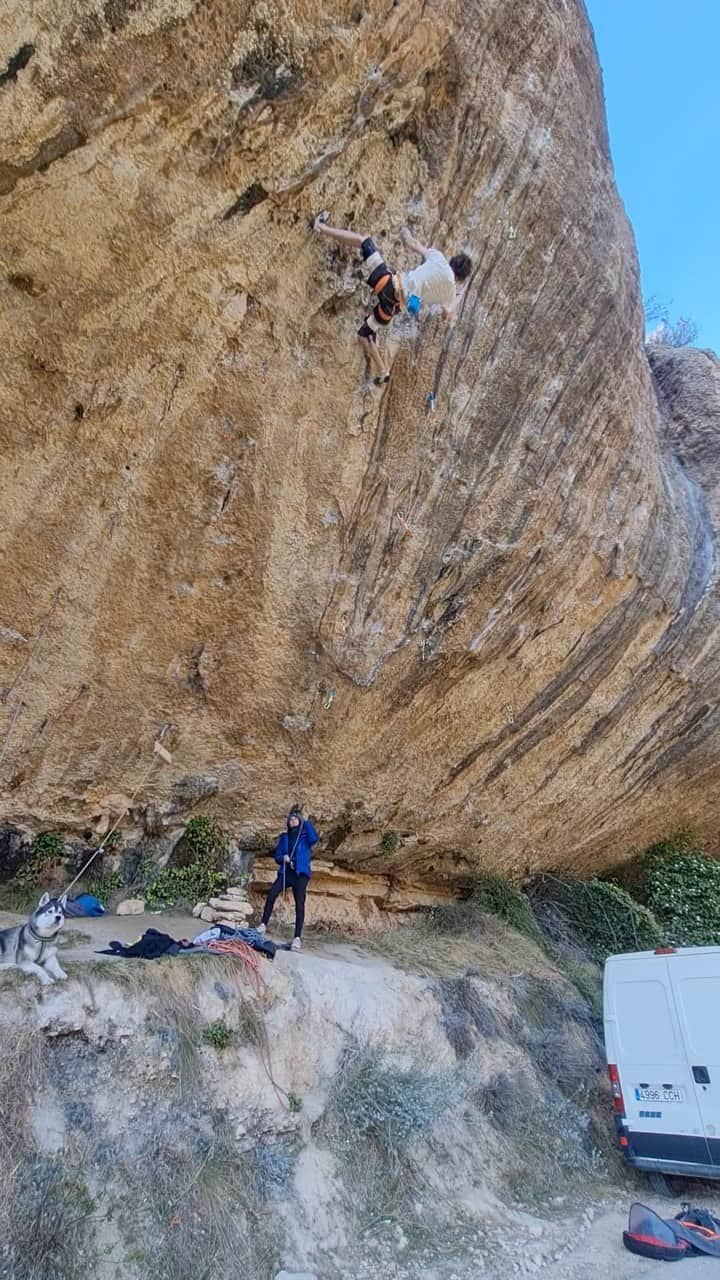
x: 692, y: 1231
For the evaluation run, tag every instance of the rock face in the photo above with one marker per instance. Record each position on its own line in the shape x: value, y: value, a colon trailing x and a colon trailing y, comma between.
x: 491, y: 627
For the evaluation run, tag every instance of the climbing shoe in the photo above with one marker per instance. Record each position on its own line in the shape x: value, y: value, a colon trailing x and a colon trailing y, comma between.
x: 261, y: 928
x: 381, y: 379
x: 296, y: 944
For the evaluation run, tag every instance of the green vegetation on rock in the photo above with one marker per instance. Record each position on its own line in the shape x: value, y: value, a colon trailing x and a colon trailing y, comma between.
x: 602, y: 916
x: 201, y: 879
x: 681, y: 886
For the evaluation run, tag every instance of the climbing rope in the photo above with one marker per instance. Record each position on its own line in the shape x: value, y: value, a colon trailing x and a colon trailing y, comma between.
x: 159, y: 754
x: 242, y: 951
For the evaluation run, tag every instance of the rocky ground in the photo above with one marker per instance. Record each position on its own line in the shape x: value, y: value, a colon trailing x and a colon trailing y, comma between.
x: 120, y: 1079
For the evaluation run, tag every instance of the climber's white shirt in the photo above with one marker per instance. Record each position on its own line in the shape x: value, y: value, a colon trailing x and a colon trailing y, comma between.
x: 433, y: 282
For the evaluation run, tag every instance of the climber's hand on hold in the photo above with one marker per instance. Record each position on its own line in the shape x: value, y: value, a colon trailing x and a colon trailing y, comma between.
x: 408, y: 238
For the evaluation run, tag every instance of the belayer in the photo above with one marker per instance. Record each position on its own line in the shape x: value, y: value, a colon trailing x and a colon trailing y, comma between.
x: 293, y: 854
x: 435, y: 282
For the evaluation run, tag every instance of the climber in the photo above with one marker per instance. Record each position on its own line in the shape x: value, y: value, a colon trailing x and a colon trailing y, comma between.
x: 435, y: 282
x: 293, y: 854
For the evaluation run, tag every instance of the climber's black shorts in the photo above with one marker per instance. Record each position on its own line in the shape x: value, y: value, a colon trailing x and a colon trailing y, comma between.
x: 387, y: 304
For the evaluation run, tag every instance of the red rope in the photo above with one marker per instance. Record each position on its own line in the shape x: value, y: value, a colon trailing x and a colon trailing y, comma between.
x: 251, y: 960
x: 242, y: 951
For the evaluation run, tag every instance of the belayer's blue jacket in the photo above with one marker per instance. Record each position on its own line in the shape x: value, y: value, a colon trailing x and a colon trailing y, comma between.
x: 303, y: 849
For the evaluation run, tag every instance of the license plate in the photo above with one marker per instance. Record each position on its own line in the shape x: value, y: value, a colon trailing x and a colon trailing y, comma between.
x: 659, y: 1095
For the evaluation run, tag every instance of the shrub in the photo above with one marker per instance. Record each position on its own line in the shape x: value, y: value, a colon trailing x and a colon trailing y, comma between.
x: 389, y: 842
x: 272, y: 1165
x: 372, y: 1099
x: 501, y: 1100
x: 201, y: 879
x: 375, y: 1112
x: 196, y: 1201
x: 183, y: 886
x: 682, y: 887
x: 47, y: 848
x: 679, y: 333
x: 207, y: 840
x: 105, y: 885
x: 551, y: 1141
x: 217, y: 1034
x: 51, y: 1232
x: 604, y: 916
x: 587, y: 980
x: 491, y: 895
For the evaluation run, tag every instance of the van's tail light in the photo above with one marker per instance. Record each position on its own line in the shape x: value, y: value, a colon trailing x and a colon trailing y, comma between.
x: 618, y: 1100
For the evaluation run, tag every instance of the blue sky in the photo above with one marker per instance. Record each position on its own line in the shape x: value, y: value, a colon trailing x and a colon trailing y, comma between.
x: 661, y: 69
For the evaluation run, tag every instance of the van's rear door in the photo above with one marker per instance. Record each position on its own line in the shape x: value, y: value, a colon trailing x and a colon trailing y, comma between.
x: 696, y: 985
x: 645, y: 1040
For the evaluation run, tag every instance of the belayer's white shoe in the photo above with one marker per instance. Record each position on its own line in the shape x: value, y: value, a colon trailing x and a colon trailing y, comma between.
x: 296, y: 944
x: 261, y: 928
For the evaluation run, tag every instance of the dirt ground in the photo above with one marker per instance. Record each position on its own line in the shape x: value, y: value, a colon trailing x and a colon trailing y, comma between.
x: 82, y: 936
x: 601, y: 1254
x: 590, y: 1249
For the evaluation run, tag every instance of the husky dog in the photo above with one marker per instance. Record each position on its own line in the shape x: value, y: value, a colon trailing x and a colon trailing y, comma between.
x: 30, y: 946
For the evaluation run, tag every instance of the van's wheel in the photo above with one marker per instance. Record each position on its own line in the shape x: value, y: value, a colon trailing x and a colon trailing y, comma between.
x: 660, y: 1184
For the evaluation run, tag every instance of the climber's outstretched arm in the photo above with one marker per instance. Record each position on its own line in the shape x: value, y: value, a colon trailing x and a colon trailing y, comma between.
x: 336, y: 233
x: 408, y: 238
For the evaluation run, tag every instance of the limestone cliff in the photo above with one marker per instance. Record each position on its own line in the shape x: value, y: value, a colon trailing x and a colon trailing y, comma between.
x: 491, y: 627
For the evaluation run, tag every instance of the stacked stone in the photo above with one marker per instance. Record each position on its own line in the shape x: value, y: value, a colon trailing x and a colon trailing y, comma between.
x: 232, y: 907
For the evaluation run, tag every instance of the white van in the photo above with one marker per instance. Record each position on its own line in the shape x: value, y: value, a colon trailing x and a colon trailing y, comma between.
x: 662, y: 1039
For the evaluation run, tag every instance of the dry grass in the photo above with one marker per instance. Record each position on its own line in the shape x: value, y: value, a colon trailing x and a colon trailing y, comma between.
x: 201, y: 1207
x: 172, y: 992
x: 493, y: 949
x: 377, y: 1118
x: 72, y: 938
x: 44, y: 1205
x: 20, y: 1072
x: 466, y: 1015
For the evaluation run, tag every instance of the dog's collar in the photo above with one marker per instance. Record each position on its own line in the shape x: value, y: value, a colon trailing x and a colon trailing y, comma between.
x: 43, y: 941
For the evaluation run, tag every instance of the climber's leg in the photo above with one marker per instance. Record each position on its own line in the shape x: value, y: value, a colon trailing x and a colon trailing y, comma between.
x: 369, y: 345
x: 378, y: 275
x: 367, y: 337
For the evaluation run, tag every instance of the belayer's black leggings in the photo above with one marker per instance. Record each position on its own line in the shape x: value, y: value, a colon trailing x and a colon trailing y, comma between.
x: 299, y: 885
